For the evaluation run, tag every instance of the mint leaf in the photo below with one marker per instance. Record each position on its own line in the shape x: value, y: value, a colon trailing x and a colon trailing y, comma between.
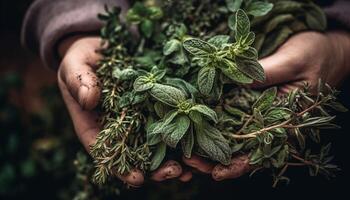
x: 251, y: 68
x: 242, y: 26
x: 213, y: 143
x: 167, y: 94
x: 171, y: 46
x: 219, y: 40
x: 176, y: 130
x: 233, y: 5
x: 142, y: 84
x: 206, y: 111
x: 147, y: 28
x: 206, y: 78
x: 259, y: 8
x: 198, y: 47
x: 230, y: 69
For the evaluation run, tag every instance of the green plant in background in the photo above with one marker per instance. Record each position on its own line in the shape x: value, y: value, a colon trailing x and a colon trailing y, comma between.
x: 181, y: 88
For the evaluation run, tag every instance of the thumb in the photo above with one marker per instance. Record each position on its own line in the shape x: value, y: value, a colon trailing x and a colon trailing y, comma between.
x: 80, y: 78
x: 279, y: 68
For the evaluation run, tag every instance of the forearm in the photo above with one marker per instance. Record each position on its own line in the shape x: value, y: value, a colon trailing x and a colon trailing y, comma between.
x: 47, y: 22
x: 341, y: 43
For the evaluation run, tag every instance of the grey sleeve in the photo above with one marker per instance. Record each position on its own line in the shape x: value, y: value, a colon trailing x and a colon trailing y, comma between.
x: 48, y: 21
x: 338, y: 12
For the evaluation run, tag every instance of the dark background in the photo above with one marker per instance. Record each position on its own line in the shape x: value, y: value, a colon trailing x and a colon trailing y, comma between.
x: 32, y: 112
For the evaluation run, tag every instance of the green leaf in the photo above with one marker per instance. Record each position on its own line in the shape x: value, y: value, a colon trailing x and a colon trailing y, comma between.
x: 158, y: 73
x: 153, y: 137
x: 167, y: 94
x: 142, y: 84
x: 219, y: 40
x: 124, y: 74
x: 198, y: 47
x: 171, y: 46
x: 147, y: 28
x: 231, y: 71
x: 251, y: 68
x: 232, y: 23
x: 161, y: 109
x: 277, y: 114
x: 187, y: 143
x: 206, y: 78
x: 233, y: 5
x: 213, y: 143
x: 242, y: 27
x: 274, y: 40
x: 206, y: 111
x: 196, y: 117
x: 158, y: 157
x: 176, y: 130
x: 259, y: 8
x: 249, y: 53
x: 249, y: 39
x: 316, y: 18
x: 266, y: 99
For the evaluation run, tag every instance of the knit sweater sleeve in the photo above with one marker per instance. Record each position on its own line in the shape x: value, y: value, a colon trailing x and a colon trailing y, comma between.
x: 47, y: 21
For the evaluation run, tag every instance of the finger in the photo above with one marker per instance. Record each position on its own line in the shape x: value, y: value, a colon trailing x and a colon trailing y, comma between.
x: 85, y: 122
x: 186, y: 176
x: 239, y: 166
x: 199, y: 163
x: 170, y: 169
x: 78, y: 73
x: 279, y: 68
x: 135, y: 178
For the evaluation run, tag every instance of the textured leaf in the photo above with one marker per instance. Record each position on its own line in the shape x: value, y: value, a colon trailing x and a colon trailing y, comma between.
x: 171, y: 46
x: 242, y: 27
x: 161, y: 109
x: 233, y: 5
x: 266, y: 99
x: 162, y: 125
x: 176, y: 130
x: 153, y: 137
x: 196, y: 117
x: 187, y: 143
x: 287, y: 6
x: 219, y: 40
x: 206, y: 78
x: 249, y: 39
x: 206, y: 111
x: 158, y: 157
x: 167, y: 94
x: 142, y: 84
x: 259, y: 8
x: 124, y: 74
x: 213, y: 143
x: 198, y: 47
x: 249, y: 53
x: 251, y: 68
x: 231, y: 71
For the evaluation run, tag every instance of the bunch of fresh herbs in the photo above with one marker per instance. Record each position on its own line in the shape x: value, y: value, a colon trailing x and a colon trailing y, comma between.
x: 180, y: 88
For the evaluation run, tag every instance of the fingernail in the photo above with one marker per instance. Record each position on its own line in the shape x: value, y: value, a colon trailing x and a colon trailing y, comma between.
x: 82, y: 95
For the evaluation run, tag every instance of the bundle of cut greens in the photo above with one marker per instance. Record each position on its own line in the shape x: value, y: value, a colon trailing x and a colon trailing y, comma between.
x: 177, y: 86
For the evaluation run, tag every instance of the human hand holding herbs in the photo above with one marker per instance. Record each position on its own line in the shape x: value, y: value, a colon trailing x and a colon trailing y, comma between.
x: 171, y: 95
x: 81, y: 92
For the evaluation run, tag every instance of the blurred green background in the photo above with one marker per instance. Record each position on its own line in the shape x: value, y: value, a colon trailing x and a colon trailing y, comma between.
x: 38, y: 146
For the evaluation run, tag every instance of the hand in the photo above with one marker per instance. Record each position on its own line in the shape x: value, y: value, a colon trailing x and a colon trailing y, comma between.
x: 308, y: 57
x: 305, y: 57
x: 81, y: 92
